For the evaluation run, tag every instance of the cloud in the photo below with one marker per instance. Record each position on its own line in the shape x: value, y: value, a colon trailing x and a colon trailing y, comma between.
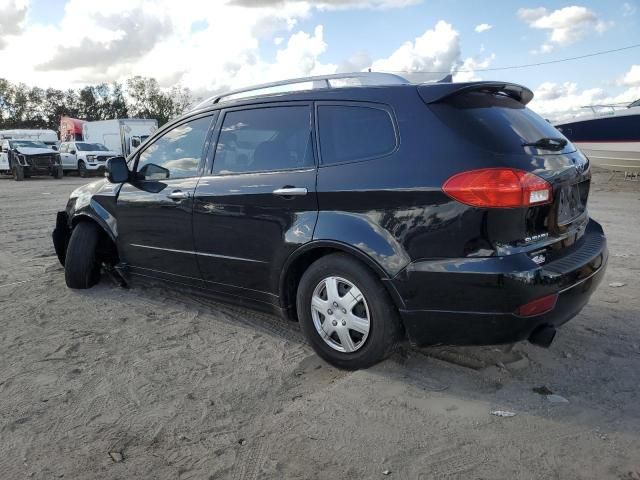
x: 436, y: 50
x: 483, y: 27
x: 632, y: 77
x: 432, y: 56
x: 466, y: 71
x: 135, y: 34
x: 12, y: 16
x: 560, y: 102
x: 563, y: 26
x: 329, y: 4
x: 629, y: 9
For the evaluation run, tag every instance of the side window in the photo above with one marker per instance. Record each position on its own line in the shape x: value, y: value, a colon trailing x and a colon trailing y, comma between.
x: 350, y: 133
x: 263, y: 139
x: 63, y: 148
x: 176, y: 154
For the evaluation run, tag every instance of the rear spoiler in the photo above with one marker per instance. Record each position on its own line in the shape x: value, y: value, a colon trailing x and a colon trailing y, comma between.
x: 440, y: 92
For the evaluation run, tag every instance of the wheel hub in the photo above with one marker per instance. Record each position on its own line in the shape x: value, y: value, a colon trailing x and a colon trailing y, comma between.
x: 340, y: 314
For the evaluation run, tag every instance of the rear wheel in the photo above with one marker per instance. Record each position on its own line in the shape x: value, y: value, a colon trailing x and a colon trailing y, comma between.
x: 18, y: 173
x: 82, y: 169
x: 81, y: 266
x: 346, y: 313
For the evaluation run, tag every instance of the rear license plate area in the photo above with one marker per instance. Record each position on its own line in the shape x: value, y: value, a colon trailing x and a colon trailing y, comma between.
x: 572, y: 201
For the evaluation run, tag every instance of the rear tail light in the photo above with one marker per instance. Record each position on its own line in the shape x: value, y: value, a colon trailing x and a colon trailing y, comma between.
x: 538, y: 306
x: 498, y: 188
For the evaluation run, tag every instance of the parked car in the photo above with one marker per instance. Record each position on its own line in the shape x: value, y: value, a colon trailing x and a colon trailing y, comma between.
x: 449, y: 213
x: 25, y: 158
x: 85, y: 157
x: 123, y: 135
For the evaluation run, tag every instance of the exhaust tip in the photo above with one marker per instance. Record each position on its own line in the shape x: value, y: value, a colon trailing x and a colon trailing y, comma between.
x: 543, y: 336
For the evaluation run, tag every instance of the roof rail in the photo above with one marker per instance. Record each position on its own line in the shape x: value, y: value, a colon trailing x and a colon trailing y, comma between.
x: 339, y: 80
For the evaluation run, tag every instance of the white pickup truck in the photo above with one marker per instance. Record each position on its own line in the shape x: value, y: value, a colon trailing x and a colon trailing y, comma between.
x: 24, y: 158
x: 85, y: 157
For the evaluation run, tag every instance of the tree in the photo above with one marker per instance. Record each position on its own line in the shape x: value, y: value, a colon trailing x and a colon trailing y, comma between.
x: 33, y: 107
x: 147, y: 100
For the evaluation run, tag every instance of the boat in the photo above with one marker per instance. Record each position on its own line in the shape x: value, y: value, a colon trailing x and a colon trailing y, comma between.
x: 609, y: 137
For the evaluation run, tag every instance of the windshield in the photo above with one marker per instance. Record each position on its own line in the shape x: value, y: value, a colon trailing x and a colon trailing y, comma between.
x: 27, y: 144
x: 91, y: 147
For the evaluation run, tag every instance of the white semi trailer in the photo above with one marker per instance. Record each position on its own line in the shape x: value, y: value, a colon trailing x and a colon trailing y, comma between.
x: 123, y: 135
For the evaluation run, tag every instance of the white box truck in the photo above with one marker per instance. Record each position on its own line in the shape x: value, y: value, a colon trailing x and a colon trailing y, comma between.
x: 48, y: 137
x: 122, y: 135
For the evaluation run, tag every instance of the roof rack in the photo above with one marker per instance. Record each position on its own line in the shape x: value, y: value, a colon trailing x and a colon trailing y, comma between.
x: 339, y: 80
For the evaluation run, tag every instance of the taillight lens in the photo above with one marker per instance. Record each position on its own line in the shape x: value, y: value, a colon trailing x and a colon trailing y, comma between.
x: 498, y: 188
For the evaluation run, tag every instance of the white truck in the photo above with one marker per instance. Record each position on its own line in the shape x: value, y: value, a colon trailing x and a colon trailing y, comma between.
x: 85, y: 157
x: 25, y: 158
x: 48, y: 137
x: 122, y: 136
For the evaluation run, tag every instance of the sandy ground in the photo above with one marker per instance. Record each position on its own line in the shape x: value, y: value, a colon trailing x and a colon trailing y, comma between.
x: 150, y: 383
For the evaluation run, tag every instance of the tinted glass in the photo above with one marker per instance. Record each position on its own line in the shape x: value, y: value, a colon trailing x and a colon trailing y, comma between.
x: 354, y: 133
x: 495, y: 122
x: 177, y: 153
x: 263, y: 139
x: 27, y: 144
x: 91, y: 147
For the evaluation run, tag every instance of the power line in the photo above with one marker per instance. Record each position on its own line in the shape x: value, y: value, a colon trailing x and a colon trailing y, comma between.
x: 526, y: 65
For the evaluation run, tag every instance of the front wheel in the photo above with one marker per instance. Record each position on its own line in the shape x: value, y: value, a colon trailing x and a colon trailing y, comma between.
x: 81, y: 266
x: 58, y: 173
x: 346, y: 313
x: 82, y: 169
x: 18, y: 173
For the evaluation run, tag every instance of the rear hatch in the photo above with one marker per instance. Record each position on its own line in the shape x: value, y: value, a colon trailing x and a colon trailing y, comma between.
x: 494, y: 122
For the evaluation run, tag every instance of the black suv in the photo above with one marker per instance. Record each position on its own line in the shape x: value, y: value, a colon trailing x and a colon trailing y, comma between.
x: 446, y: 212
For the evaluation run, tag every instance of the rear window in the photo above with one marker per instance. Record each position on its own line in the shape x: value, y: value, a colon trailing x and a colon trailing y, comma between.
x: 495, y: 122
x: 349, y: 133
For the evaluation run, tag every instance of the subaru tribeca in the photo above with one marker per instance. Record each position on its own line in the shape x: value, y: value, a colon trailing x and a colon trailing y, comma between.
x: 367, y: 208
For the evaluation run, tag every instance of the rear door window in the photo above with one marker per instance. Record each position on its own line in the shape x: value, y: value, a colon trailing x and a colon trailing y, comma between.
x: 264, y: 139
x: 353, y: 132
x: 495, y: 122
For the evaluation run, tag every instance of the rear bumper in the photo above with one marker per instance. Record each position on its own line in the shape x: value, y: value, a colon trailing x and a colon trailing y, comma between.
x: 471, y: 301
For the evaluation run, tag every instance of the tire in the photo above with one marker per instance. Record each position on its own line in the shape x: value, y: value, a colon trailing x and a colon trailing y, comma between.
x: 375, y: 311
x: 58, y: 173
x: 18, y: 173
x: 82, y: 169
x: 81, y: 266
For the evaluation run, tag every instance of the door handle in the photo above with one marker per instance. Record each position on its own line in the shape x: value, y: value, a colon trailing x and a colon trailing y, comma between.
x: 178, y: 195
x: 290, y: 192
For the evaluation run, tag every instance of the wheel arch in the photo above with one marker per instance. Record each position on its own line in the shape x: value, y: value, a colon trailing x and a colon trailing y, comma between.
x: 87, y: 216
x: 108, y: 246
x: 301, y: 259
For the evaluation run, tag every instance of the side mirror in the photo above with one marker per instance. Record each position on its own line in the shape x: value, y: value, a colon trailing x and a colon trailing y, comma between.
x: 117, y: 170
x: 72, y: 152
x: 53, y: 147
x: 135, y: 142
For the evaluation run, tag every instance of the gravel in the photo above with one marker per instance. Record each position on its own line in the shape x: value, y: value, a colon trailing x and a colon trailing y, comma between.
x: 149, y: 382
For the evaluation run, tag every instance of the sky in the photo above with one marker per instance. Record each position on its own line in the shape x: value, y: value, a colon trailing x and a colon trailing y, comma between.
x: 211, y: 46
